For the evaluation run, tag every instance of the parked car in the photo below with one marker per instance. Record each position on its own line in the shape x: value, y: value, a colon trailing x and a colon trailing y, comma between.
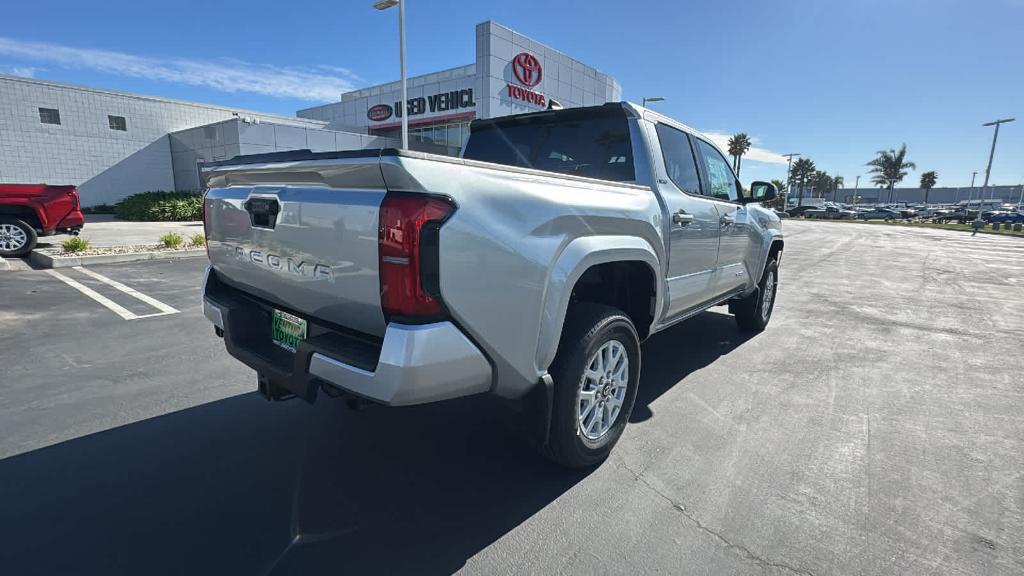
x: 879, y: 214
x: 1007, y: 217
x: 28, y: 211
x: 830, y: 213
x: 531, y: 268
x: 800, y: 210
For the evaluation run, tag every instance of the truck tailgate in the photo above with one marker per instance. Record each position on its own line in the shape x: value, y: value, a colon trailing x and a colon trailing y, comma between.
x: 301, y: 234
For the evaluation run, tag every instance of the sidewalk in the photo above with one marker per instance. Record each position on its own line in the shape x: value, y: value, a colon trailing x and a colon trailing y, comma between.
x: 103, y: 230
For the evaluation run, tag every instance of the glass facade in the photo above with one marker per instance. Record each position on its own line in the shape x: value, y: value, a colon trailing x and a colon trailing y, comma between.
x: 445, y: 138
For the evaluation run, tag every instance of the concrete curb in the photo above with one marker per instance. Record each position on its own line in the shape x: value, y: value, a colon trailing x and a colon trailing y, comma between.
x: 47, y: 261
x: 4, y: 265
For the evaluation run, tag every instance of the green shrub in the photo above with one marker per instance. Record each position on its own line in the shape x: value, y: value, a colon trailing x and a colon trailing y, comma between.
x: 98, y: 209
x: 171, y: 240
x: 160, y: 206
x: 197, y: 241
x: 75, y: 244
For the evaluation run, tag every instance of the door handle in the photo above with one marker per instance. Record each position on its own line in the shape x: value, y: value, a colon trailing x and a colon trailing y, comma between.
x: 682, y: 218
x: 727, y: 219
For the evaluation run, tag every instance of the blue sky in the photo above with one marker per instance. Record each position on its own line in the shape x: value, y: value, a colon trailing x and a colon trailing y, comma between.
x: 835, y: 81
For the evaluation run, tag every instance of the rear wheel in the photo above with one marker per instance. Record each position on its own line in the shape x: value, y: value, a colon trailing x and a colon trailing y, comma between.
x: 17, y: 238
x: 595, y: 375
x: 754, y: 311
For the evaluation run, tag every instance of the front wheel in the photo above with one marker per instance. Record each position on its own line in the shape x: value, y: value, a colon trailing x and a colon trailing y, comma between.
x: 595, y: 373
x: 755, y: 310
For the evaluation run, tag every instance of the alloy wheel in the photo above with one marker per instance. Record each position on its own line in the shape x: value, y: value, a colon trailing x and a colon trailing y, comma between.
x: 602, y: 390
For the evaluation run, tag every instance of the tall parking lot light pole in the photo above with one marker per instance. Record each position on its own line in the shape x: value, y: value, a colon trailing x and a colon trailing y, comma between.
x: 856, y: 183
x: 991, y: 153
x: 789, y: 180
x: 403, y: 107
x: 970, y: 193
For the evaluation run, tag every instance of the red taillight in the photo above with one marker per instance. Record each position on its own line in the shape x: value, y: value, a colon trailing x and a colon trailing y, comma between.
x: 407, y: 247
x: 75, y: 202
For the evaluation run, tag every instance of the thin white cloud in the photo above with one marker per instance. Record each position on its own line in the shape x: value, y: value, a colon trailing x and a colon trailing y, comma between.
x: 24, y: 71
x: 756, y: 153
x: 321, y: 83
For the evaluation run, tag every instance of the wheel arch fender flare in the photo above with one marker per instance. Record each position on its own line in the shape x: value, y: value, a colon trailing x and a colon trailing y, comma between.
x: 571, y: 263
x: 772, y: 237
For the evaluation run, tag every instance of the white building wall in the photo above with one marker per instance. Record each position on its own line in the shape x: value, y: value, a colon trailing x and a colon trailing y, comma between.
x: 567, y: 80
x: 230, y: 138
x: 105, y: 164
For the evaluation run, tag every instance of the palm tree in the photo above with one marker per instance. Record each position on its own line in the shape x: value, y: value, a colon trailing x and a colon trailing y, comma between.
x: 822, y: 183
x: 738, y: 146
x: 890, y: 167
x: 928, y: 180
x: 803, y: 172
x: 781, y: 187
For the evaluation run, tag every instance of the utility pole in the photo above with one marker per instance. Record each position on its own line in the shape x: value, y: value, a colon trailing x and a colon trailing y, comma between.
x: 991, y: 153
x: 789, y: 179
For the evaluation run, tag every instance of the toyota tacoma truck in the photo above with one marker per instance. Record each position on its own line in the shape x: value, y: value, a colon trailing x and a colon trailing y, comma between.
x: 529, y: 268
x: 28, y: 211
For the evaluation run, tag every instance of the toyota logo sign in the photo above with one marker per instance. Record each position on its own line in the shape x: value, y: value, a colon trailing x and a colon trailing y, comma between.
x: 379, y: 113
x: 527, y: 69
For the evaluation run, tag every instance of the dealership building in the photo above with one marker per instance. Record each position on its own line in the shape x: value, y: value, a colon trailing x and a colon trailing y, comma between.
x: 512, y: 74
x: 112, y: 144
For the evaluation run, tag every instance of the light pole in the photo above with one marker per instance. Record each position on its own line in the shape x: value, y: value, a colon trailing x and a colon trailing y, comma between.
x: 970, y: 194
x: 652, y: 99
x: 789, y: 180
x: 856, y: 183
x: 403, y: 107
x: 991, y: 153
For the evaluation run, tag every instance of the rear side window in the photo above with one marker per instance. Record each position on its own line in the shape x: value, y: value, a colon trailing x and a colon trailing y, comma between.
x: 679, y: 162
x: 581, y: 142
x: 721, y: 181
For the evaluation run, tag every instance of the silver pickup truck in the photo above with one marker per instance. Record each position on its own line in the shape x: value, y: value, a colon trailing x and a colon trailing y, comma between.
x: 530, y: 268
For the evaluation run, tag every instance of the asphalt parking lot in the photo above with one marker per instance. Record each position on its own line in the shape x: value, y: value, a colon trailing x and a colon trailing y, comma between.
x: 874, y: 428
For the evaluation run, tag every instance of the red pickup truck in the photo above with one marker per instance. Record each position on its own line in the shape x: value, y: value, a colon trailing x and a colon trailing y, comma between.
x: 28, y: 211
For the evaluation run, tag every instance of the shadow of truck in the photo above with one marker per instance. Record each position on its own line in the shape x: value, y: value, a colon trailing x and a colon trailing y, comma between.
x: 242, y: 486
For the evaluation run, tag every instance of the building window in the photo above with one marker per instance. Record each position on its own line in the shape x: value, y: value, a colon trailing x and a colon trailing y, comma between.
x: 49, y: 116
x: 118, y: 123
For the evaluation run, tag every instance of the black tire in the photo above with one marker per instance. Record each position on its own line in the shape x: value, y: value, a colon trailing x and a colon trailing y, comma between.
x: 588, y: 327
x: 30, y: 238
x: 751, y: 313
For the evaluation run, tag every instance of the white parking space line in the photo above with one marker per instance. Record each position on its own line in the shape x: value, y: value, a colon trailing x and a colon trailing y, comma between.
x: 163, y: 308
x: 113, y: 306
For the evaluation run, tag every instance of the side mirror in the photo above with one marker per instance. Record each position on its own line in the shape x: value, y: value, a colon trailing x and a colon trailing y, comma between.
x: 762, y: 192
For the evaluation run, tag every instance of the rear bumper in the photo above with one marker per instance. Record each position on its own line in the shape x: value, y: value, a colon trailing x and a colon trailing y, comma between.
x: 413, y: 364
x: 74, y: 220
